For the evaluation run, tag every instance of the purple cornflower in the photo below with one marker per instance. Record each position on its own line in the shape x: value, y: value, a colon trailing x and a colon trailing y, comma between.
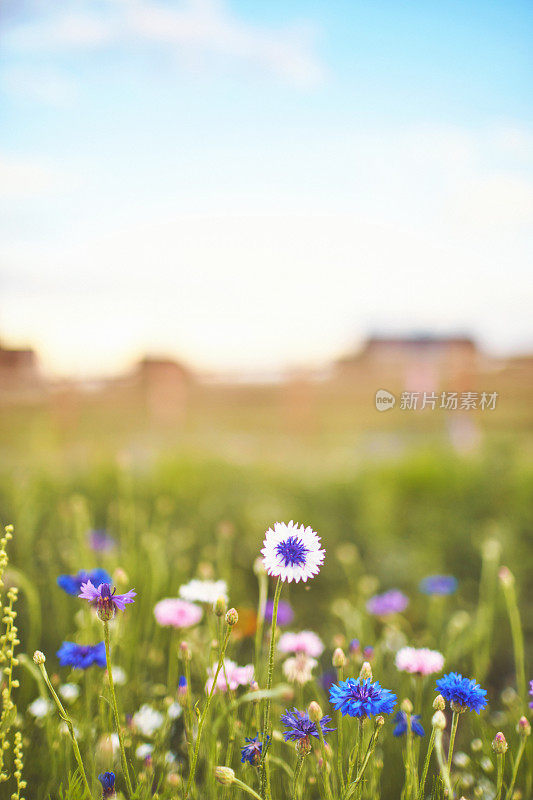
x: 100, y: 541
x: 285, y: 612
x: 392, y: 602
x: 82, y: 656
x: 328, y: 679
x: 105, y: 600
x: 531, y: 692
x: 361, y: 698
x: 464, y: 692
x: 438, y: 584
x: 301, y: 727
x: 252, y: 750
x: 355, y: 646
x: 368, y: 653
x: 107, y: 779
x: 402, y: 725
x: 71, y: 584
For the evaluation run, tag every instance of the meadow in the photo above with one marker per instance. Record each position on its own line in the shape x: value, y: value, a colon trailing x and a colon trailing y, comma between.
x: 384, y: 526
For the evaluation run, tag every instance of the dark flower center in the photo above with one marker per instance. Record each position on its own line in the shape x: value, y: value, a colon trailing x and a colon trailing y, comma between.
x: 292, y: 551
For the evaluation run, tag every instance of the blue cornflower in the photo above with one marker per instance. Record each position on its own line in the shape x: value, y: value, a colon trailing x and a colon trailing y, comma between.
x: 300, y: 725
x: 361, y: 698
x: 402, y: 724
x: 464, y: 692
x: 438, y: 584
x: 252, y: 750
x: 81, y: 656
x: 71, y: 584
x: 107, y: 779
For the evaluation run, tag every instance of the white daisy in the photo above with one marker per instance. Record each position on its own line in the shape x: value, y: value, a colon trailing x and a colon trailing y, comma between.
x: 204, y: 591
x: 292, y: 552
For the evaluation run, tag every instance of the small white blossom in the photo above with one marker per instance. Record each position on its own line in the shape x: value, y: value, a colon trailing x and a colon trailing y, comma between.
x: 69, y: 692
x: 197, y: 591
x: 147, y: 720
x: 292, y: 552
x: 40, y: 707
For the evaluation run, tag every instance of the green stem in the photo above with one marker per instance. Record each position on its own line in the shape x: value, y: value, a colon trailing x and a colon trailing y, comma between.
x: 297, y: 772
x: 516, y: 765
x: 204, y: 713
x: 453, y: 731
x: 444, y: 769
x: 265, y: 781
x: 115, y: 710
x: 261, y: 605
x: 324, y: 761
x: 66, y: 719
x: 499, y: 783
x: 246, y: 788
x: 517, y: 637
x: 426, y: 765
x: 370, y: 749
x: 340, y: 737
x: 354, y: 755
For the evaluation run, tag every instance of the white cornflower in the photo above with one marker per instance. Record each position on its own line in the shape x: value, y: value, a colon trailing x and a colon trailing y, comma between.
x: 292, y: 552
x: 40, y: 707
x: 299, y: 669
x: 69, y: 692
x: 119, y: 675
x: 302, y: 642
x: 174, y: 710
x: 204, y: 591
x: 147, y: 720
x: 144, y: 751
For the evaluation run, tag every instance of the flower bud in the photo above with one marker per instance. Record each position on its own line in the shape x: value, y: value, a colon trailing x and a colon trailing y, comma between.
x: 438, y: 720
x: 220, y: 607
x: 476, y: 745
x: 259, y: 567
x: 338, y: 659
x: 407, y: 706
x: 380, y: 720
x: 524, y: 727
x: 39, y: 658
x: 439, y: 703
x: 366, y: 672
x: 303, y: 746
x: 506, y: 576
x: 499, y: 743
x: 315, y: 712
x: 185, y: 651
x: 224, y: 775
x: 232, y: 617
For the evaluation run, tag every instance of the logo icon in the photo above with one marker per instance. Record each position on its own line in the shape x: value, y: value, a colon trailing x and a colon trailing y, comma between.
x: 384, y: 400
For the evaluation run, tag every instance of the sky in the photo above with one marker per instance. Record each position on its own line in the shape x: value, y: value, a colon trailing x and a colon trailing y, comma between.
x: 251, y: 185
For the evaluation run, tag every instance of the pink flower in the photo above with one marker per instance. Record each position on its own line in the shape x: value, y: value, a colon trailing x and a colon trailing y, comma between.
x: 419, y: 662
x: 237, y: 676
x: 177, y: 613
x: 303, y: 642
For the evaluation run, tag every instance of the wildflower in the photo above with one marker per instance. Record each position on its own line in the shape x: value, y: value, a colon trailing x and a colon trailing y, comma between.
x: 100, y: 541
x: 402, y: 724
x: 105, y: 600
x: 237, y: 676
x: 182, y: 686
x: 119, y: 675
x: 285, y: 612
x: 39, y: 658
x: 365, y: 673
x: 355, y: 647
x: 338, y: 658
x: 361, y: 698
x: 327, y: 679
x: 225, y: 775
x: 523, y: 727
x: 107, y: 779
x: 81, y: 656
x: 174, y: 710
x: 463, y: 692
x: 499, y: 744
x: 292, y: 552
x: 438, y: 584
x: 251, y: 752
x: 40, y: 707
x: 177, y: 613
x: 69, y: 692
x: 368, y: 653
x: 303, y: 642
x: 419, y: 661
x: 531, y: 692
x: 301, y: 727
x: 392, y: 602
x: 232, y: 617
x: 197, y: 591
x: 298, y: 669
x: 144, y: 751
x: 72, y: 584
x: 147, y: 720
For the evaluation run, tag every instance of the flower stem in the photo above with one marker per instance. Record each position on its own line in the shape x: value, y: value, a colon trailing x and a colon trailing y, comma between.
x: 261, y: 605
x: 426, y: 765
x: 297, y: 772
x: 324, y: 761
x: 517, y: 637
x: 453, y: 731
x: 444, y: 769
x: 265, y: 781
x: 499, y: 781
x: 115, y: 709
x: 204, y: 713
x: 246, y: 788
x: 340, y: 738
x: 66, y: 719
x: 516, y: 765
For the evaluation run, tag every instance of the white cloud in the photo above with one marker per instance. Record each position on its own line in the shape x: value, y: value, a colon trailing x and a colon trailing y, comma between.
x: 23, y: 176
x: 500, y: 200
x: 205, y: 28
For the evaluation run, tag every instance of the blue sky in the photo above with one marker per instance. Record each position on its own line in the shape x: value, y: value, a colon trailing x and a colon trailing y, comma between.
x: 258, y: 185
